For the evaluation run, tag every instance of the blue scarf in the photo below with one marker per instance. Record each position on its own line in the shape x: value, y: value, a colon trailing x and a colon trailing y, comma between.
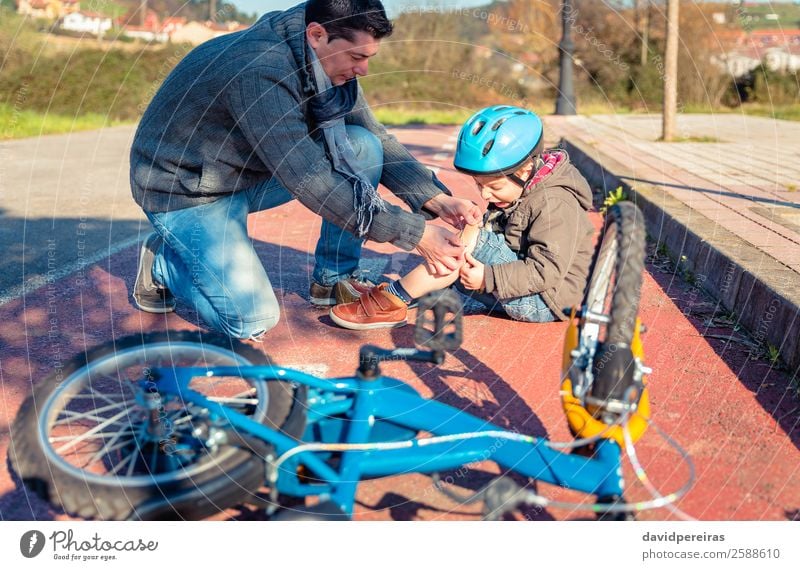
x: 329, y: 107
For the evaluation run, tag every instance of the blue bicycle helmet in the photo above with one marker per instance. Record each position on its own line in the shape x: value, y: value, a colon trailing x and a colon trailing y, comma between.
x: 497, y: 140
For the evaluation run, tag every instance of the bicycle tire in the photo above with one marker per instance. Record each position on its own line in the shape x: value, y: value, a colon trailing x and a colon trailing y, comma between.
x: 222, y: 477
x: 622, y: 249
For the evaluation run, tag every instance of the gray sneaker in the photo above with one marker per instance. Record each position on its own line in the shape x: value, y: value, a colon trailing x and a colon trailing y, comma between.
x: 345, y: 291
x: 148, y: 296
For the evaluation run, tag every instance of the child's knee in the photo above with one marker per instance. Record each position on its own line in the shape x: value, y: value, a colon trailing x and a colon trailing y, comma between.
x: 470, y: 238
x: 529, y: 313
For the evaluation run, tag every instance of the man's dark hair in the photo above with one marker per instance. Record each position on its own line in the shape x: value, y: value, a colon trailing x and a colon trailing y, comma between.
x: 341, y: 18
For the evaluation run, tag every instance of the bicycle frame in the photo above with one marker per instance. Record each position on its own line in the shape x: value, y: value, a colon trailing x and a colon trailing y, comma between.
x: 354, y: 410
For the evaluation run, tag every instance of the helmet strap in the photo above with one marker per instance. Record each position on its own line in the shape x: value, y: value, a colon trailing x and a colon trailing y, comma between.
x: 517, y: 180
x: 524, y: 183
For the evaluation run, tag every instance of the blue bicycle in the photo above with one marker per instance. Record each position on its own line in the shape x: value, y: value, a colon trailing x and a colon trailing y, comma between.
x: 183, y: 425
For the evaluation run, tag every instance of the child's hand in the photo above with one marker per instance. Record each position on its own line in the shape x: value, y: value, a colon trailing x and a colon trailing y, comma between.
x: 458, y: 212
x: 472, y: 273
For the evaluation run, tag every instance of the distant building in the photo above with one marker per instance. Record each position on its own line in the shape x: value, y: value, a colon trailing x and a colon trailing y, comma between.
x: 171, y: 25
x: 782, y: 59
x: 196, y: 33
x: 146, y: 34
x: 737, y: 64
x: 48, y: 9
x: 151, y: 30
x: 778, y: 50
x: 86, y: 22
x: 774, y: 38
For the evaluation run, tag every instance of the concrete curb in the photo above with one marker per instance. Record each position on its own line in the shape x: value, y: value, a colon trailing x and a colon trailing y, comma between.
x: 763, y: 293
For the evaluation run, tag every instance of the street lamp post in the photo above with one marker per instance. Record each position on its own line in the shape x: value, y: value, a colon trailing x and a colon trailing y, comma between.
x: 565, y: 103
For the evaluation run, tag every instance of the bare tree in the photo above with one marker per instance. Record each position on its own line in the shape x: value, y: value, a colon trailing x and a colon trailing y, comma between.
x: 702, y: 43
x: 671, y: 72
x: 531, y: 26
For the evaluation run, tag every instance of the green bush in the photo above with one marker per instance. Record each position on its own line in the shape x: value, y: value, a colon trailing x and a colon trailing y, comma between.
x: 114, y: 83
x: 774, y: 88
x: 646, y: 87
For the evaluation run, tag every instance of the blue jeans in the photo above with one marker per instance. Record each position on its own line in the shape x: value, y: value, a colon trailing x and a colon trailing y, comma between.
x: 491, y: 249
x: 208, y: 260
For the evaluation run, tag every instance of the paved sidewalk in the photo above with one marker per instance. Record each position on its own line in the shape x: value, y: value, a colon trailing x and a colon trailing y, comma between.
x: 735, y: 197
x: 65, y: 203
x: 736, y: 416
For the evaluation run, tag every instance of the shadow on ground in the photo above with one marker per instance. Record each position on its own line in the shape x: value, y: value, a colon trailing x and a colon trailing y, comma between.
x: 772, y: 385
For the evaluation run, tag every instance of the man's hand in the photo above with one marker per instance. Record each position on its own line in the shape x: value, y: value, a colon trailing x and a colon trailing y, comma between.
x: 472, y: 274
x: 455, y: 211
x: 441, y: 249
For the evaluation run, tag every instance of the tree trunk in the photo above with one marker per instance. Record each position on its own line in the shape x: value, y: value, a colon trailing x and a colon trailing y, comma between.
x: 212, y: 10
x: 643, y: 18
x: 671, y: 72
x: 142, y: 12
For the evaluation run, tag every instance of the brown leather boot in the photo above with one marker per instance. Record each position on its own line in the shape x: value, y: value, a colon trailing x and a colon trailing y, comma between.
x: 375, y: 309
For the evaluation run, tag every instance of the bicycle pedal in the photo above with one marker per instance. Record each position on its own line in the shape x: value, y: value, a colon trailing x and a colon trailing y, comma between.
x: 439, y: 324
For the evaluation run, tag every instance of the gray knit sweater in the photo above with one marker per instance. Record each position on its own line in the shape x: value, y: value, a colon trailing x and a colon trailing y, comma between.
x: 233, y: 113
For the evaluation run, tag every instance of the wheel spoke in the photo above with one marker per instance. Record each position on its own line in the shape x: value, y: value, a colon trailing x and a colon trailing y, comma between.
x: 87, y: 415
x: 154, y: 458
x: 132, y: 465
x: 122, y: 463
x: 110, y: 446
x: 98, y: 428
x: 92, y: 431
x: 182, y: 420
x: 54, y: 439
x: 102, y: 396
x: 235, y: 400
x: 92, y: 396
x: 175, y: 415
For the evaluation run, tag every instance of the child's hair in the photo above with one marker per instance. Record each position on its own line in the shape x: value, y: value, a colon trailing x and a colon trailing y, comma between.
x: 498, y: 140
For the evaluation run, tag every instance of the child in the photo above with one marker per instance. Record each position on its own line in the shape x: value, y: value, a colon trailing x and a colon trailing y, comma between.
x: 531, y: 259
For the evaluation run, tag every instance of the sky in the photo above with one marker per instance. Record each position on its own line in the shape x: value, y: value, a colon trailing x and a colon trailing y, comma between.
x: 392, y: 6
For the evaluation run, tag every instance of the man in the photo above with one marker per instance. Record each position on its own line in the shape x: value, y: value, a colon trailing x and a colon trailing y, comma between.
x: 251, y: 120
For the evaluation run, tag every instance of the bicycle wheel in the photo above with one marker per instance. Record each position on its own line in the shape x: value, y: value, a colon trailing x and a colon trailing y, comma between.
x: 84, y: 439
x: 612, y: 305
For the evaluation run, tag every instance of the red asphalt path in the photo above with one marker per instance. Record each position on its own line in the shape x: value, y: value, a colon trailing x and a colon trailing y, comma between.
x: 737, y: 417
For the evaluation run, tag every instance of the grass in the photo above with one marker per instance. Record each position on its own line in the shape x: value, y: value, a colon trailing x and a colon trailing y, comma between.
x: 703, y: 139
x: 597, y: 107
x: 784, y: 112
x: 613, y: 197
x: 773, y: 354
x: 16, y: 124
x: 397, y: 116
x: 688, y: 275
